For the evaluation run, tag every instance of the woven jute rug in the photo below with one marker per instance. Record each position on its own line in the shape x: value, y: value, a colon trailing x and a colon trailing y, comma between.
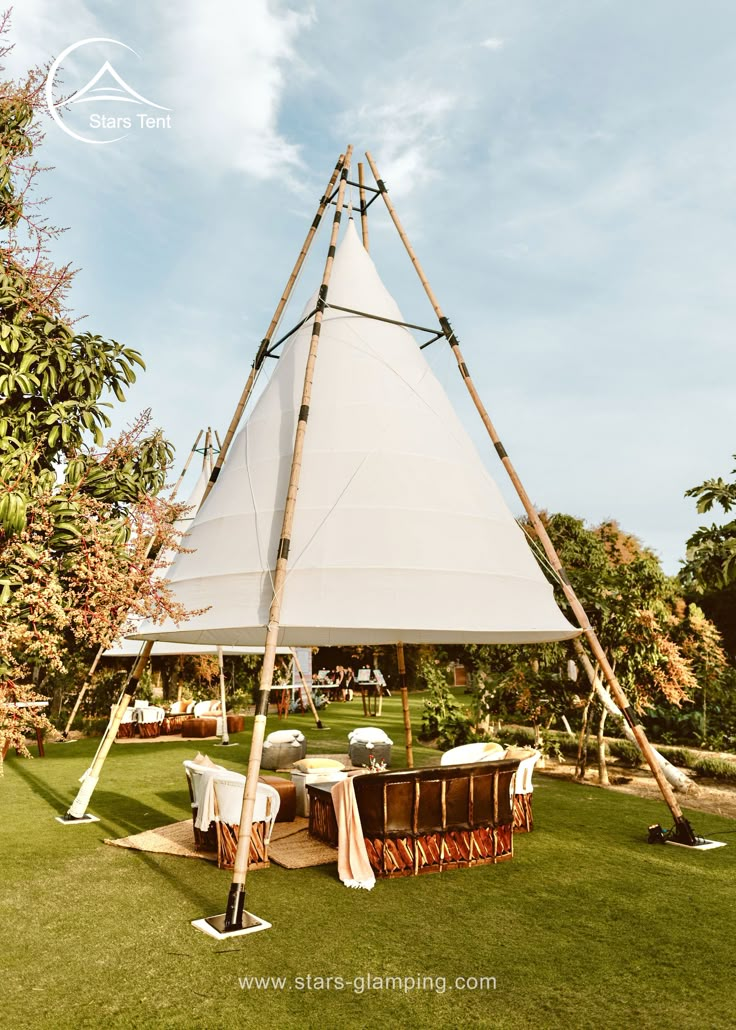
x: 290, y: 847
x: 175, y: 839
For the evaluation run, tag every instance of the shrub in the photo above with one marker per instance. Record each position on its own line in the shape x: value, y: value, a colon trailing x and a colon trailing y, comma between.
x: 716, y: 768
x: 679, y: 756
x: 626, y: 752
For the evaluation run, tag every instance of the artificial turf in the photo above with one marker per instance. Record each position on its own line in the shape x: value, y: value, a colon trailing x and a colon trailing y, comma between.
x: 588, y: 926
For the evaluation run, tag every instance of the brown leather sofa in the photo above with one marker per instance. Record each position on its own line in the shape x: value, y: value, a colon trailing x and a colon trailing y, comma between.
x: 426, y: 820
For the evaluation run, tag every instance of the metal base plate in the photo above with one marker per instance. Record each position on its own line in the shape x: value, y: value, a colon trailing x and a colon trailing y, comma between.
x: 69, y: 820
x: 215, y: 926
x: 707, y: 845
x: 230, y: 743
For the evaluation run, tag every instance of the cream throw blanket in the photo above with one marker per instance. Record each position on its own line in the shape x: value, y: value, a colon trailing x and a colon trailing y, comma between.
x: 353, y: 866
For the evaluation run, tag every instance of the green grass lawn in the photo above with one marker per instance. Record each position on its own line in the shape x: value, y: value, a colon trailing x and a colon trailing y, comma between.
x: 588, y: 926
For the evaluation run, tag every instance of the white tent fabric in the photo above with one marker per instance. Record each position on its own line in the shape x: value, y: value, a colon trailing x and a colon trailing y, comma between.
x: 400, y: 532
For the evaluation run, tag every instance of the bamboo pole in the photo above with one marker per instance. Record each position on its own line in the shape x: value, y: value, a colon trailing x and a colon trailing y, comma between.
x: 187, y: 463
x: 77, y: 810
x: 258, y: 361
x: 675, y: 776
x: 307, y: 689
x: 266, y: 341
x: 101, y: 649
x: 223, y: 700
x: 405, y: 704
x: 232, y: 921
x: 363, y: 208
x: 580, y: 614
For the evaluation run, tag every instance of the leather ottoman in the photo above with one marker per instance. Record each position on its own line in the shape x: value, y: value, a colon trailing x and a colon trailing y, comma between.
x: 235, y: 723
x: 287, y: 795
x: 199, y: 728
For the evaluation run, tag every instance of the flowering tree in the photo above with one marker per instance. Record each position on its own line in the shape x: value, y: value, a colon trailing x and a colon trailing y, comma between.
x: 76, y: 518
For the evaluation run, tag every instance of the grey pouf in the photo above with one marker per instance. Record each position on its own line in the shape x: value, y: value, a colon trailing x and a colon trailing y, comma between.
x: 282, y: 748
x: 364, y: 743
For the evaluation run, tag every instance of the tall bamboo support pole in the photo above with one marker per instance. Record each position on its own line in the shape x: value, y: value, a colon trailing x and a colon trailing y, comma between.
x: 101, y: 650
x: 675, y: 776
x: 78, y: 808
x: 223, y: 699
x: 266, y: 341
x: 637, y: 729
x: 234, y: 422
x: 405, y: 704
x: 307, y: 689
x: 233, y: 919
x: 187, y: 463
x: 363, y: 207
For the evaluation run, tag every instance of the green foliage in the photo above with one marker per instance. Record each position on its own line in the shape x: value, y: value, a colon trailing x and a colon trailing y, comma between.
x: 443, y: 718
x: 627, y: 753
x: 716, y: 768
x: 711, y: 550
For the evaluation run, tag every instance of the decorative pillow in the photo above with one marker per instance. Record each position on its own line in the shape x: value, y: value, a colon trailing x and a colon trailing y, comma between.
x: 313, y: 764
x: 204, y: 760
x: 285, y: 737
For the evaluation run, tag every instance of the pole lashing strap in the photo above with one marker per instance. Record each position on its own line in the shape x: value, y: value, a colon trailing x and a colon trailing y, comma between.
x: 284, y: 545
x: 331, y: 251
x: 262, y: 352
x: 464, y: 370
x: 449, y: 332
x: 564, y: 577
x: 317, y: 218
x: 628, y: 716
x: 304, y: 413
x: 500, y: 450
x: 214, y: 474
x: 382, y: 185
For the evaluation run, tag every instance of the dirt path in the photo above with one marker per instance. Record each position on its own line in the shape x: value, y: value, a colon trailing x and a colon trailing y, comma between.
x: 704, y: 795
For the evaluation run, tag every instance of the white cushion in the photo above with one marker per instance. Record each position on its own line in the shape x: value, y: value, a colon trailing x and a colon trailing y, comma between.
x: 369, y: 735
x: 285, y: 737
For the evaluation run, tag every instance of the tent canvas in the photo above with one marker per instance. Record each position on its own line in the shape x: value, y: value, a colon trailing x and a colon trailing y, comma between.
x: 400, y: 533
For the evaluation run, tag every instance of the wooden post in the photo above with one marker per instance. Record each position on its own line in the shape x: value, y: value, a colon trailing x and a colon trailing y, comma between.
x: 307, y: 689
x: 363, y: 208
x: 405, y: 704
x: 583, y: 621
x: 266, y: 341
x: 233, y: 918
x: 78, y: 808
x: 223, y: 699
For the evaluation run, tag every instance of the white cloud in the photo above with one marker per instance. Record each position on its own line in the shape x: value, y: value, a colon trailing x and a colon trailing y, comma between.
x: 405, y: 131
x: 225, y: 76
x: 493, y: 43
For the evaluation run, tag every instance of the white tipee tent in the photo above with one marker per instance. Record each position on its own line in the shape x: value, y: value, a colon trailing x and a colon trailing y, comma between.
x: 400, y: 533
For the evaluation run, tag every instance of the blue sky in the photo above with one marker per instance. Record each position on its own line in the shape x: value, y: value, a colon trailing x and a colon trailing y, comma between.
x: 565, y: 172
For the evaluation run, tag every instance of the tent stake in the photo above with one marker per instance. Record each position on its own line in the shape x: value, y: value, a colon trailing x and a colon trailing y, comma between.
x: 683, y: 829
x: 235, y: 919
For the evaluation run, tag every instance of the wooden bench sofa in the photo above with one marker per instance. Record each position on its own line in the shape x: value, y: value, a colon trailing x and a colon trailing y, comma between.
x: 427, y: 820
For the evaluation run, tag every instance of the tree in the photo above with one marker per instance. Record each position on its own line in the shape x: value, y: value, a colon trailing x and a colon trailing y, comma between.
x: 708, y: 576
x: 76, y: 517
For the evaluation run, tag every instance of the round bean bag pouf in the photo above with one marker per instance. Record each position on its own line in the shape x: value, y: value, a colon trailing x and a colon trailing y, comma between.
x: 369, y: 743
x: 282, y: 748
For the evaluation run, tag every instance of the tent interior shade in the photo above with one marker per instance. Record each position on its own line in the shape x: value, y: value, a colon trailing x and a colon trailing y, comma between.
x: 400, y: 533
